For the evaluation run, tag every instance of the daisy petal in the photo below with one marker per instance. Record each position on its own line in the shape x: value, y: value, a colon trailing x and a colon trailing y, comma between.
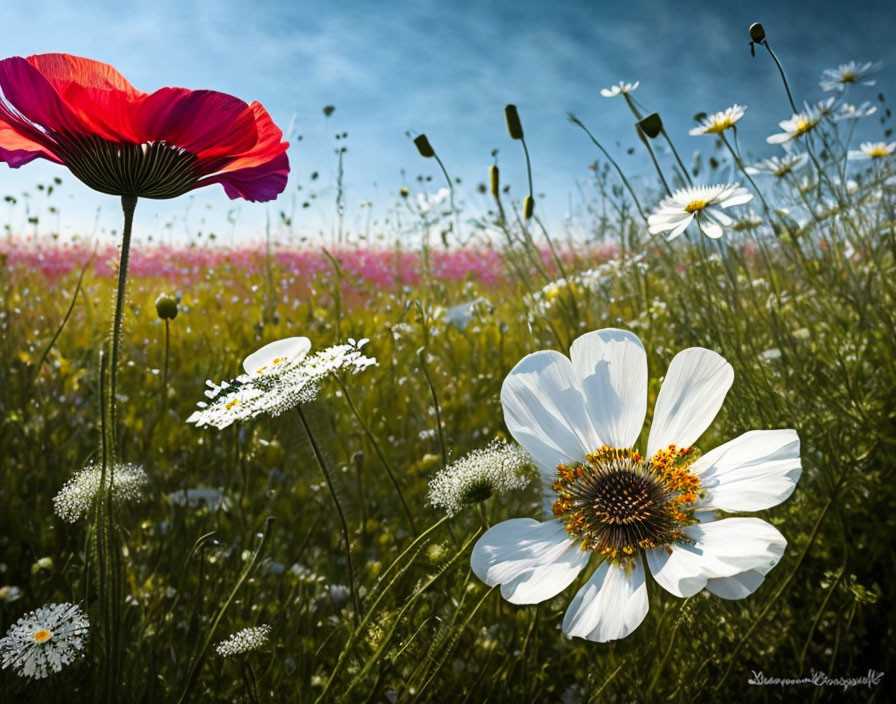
x: 610, y: 605
x: 692, y: 394
x: 710, y: 229
x: 545, y: 411
x: 531, y: 561
x: 720, y: 549
x: 738, y: 586
x: 753, y: 472
x: 611, y: 366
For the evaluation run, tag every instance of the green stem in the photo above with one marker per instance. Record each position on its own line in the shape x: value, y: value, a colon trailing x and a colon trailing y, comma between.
x: 128, y: 205
x: 379, y: 453
x: 318, y: 456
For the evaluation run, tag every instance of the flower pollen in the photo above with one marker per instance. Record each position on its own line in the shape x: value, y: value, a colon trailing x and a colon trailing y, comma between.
x: 695, y: 205
x: 618, y: 503
x: 42, y: 635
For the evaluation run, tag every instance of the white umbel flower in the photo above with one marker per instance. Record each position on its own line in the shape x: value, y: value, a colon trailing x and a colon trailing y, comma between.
x: 873, y: 150
x: 276, y: 384
x: 779, y: 166
x: 619, y: 89
x: 76, y: 497
x: 45, y: 640
x: 852, y: 73
x: 244, y: 641
x: 720, y: 121
x: 579, y: 417
x: 700, y: 203
x: 495, y: 469
x: 795, y: 127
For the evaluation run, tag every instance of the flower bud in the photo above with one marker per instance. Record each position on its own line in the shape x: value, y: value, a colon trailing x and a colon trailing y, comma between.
x: 405, y: 191
x: 757, y: 32
x: 651, y: 125
x: 514, y: 126
x: 166, y: 306
x: 495, y: 179
x: 423, y: 146
x: 528, y: 207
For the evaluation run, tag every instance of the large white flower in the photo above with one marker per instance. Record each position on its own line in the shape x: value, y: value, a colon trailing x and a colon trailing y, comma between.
x: 580, y: 418
x: 700, y: 203
x: 852, y: 73
x: 619, y: 89
x: 720, y: 121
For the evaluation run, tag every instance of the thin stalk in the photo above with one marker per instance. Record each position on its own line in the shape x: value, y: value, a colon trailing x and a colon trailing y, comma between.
x: 379, y: 453
x: 128, y: 205
x: 783, y: 76
x: 165, y: 367
x: 435, y: 402
x: 318, y: 456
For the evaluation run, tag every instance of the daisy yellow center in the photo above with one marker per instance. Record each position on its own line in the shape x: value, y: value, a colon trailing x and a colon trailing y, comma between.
x: 720, y: 124
x: 231, y: 404
x: 803, y: 125
x: 848, y: 77
x: 877, y: 151
x: 618, y: 503
x: 42, y: 635
x: 695, y: 205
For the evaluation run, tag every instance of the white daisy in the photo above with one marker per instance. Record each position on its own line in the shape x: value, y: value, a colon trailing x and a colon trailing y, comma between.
x: 825, y: 108
x: 44, y: 640
x: 619, y: 89
x: 852, y: 73
x: 493, y: 470
x: 700, y: 203
x: 76, y: 497
x: 580, y: 419
x: 847, y: 111
x: 795, y: 127
x: 720, y: 121
x: 873, y: 150
x: 244, y: 641
x: 279, y: 377
x: 779, y: 166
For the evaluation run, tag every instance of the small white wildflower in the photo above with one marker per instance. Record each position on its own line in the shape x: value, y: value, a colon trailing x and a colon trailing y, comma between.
x: 795, y: 127
x: 244, y: 641
x: 845, y: 74
x: 273, y: 390
x: 44, y: 640
x: 495, y: 469
x: 779, y: 167
x: 701, y: 203
x: 620, y: 88
x: 720, y: 121
x: 873, y: 150
x: 10, y: 593
x: 847, y: 111
x: 76, y: 496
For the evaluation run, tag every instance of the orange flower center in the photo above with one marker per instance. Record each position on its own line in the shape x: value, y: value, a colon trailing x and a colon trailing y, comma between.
x: 42, y: 635
x: 695, y: 205
x: 617, y: 503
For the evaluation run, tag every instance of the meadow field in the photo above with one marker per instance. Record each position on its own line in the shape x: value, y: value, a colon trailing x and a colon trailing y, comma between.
x: 337, y: 515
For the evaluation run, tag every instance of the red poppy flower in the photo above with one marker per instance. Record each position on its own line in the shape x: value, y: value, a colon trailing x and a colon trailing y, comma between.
x: 119, y: 140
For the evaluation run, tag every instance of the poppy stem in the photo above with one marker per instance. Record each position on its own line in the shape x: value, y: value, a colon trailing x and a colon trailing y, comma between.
x: 128, y: 205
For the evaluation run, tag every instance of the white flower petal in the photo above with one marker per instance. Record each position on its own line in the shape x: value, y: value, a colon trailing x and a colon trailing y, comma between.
x: 720, y: 549
x: 531, y: 561
x: 692, y: 394
x: 737, y: 586
x: 753, y: 472
x: 610, y: 605
x: 611, y: 366
x: 545, y: 411
x: 682, y: 226
x: 291, y: 348
x: 711, y: 229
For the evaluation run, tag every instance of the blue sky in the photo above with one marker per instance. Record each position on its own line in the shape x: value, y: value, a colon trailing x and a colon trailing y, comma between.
x: 446, y: 69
